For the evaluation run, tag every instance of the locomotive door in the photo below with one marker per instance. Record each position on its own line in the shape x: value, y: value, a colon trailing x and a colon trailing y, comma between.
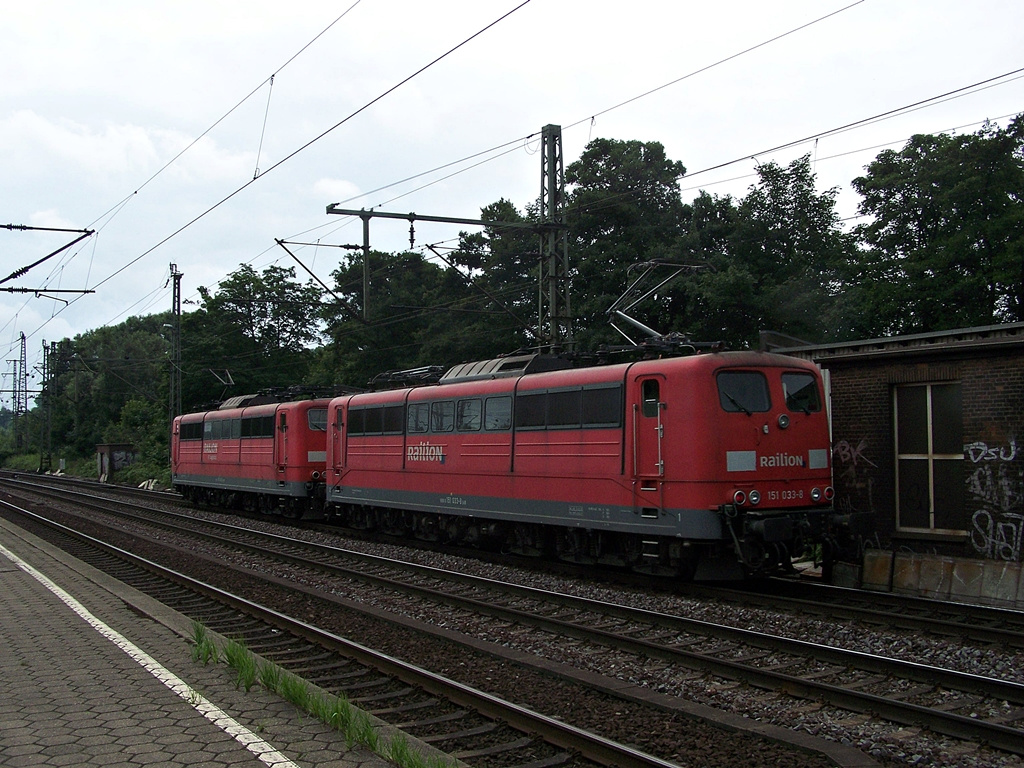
x: 648, y: 430
x: 282, y: 441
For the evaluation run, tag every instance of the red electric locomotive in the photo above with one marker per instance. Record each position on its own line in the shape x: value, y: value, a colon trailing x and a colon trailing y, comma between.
x: 711, y: 465
x: 255, y: 455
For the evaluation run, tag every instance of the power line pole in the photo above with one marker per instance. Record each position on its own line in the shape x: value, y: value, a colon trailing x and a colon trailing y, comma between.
x: 174, y: 382
x: 20, y: 396
x: 554, y: 307
x: 45, y: 401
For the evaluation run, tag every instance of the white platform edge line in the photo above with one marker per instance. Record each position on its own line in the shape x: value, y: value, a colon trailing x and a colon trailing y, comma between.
x: 256, y: 745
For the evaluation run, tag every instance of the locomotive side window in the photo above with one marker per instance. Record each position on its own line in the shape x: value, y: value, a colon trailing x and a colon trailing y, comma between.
x: 497, y: 413
x: 357, y: 421
x: 367, y: 421
x: 530, y: 410
x: 593, y: 406
x: 418, y: 419
x: 442, y: 416
x: 317, y: 419
x: 467, y: 415
x: 564, y: 409
x: 650, y: 397
x: 191, y: 431
x: 222, y: 429
x: 257, y: 426
x: 801, y: 392
x: 743, y: 391
x: 602, y: 406
x: 394, y: 416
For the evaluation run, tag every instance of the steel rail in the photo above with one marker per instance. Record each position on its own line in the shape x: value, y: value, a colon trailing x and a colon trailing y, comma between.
x: 590, y: 745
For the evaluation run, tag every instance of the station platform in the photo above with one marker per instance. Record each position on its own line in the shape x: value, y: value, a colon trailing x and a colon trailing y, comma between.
x: 93, y: 673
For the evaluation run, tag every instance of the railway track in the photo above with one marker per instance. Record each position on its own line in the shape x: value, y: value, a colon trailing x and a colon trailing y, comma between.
x: 663, y: 723
x: 470, y: 725
x: 962, y: 705
x: 978, y: 623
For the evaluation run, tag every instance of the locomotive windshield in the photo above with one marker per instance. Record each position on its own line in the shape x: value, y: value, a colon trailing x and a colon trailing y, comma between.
x: 801, y: 392
x: 743, y: 391
x: 317, y: 419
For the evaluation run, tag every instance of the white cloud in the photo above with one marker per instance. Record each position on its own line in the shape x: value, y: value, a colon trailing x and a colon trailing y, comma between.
x: 335, y: 190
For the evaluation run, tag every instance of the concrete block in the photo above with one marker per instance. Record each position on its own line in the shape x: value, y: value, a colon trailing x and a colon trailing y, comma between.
x: 846, y: 575
x: 936, y: 577
x: 906, y: 573
x: 877, y: 573
x: 1001, y: 583
x: 967, y: 580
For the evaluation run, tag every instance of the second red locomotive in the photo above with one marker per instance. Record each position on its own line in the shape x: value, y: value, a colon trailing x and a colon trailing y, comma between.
x: 253, y: 454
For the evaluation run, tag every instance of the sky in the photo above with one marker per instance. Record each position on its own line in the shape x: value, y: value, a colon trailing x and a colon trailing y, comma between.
x: 198, y: 133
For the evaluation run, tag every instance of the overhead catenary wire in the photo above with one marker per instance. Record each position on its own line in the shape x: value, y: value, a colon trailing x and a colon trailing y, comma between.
x: 312, y: 141
x: 307, y: 144
x: 603, y: 112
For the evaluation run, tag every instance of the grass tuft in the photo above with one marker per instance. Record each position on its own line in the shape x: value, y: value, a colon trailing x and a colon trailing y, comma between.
x: 335, y: 711
x: 203, y: 647
x: 240, y: 659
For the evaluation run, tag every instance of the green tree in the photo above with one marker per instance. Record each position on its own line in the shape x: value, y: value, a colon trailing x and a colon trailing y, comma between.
x: 946, y: 237
x: 777, y: 259
x: 500, y: 268
x: 417, y: 314
x: 623, y: 207
x: 100, y: 372
x: 257, y: 330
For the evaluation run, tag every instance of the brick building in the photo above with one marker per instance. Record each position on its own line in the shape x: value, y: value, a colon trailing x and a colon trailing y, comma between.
x: 928, y: 440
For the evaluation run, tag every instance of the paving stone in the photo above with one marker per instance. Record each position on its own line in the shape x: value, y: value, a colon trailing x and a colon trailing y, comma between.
x: 70, y: 697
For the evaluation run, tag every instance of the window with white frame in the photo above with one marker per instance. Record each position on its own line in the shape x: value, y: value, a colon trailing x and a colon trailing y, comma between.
x: 929, y: 457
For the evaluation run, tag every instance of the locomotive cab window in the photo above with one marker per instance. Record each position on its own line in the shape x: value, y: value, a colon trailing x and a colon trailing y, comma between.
x: 743, y: 392
x: 317, y: 419
x: 801, y: 390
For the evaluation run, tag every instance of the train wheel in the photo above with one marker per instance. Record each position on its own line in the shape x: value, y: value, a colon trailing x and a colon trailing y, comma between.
x: 528, y: 540
x: 392, y: 522
x: 428, y: 528
x: 573, y: 546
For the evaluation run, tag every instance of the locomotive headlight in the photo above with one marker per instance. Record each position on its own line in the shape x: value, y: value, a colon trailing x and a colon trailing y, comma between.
x: 816, y: 494
x: 755, y: 497
x: 783, y: 421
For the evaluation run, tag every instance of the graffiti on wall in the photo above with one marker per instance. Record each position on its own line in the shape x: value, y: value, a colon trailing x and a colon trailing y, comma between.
x: 853, y: 475
x: 995, y: 485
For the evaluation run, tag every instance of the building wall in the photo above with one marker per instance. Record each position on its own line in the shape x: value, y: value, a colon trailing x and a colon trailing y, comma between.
x: 864, y: 460
x: 993, y: 455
